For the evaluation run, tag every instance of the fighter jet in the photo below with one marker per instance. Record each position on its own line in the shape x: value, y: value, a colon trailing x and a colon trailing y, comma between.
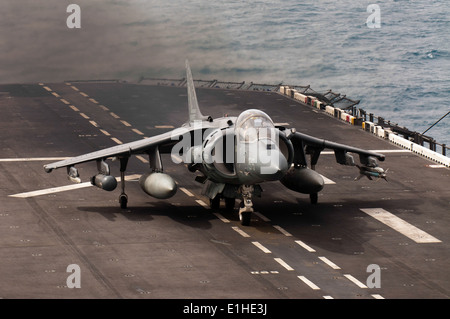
x: 233, y: 156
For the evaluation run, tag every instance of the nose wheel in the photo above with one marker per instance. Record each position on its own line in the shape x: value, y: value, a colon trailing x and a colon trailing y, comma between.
x: 246, y: 207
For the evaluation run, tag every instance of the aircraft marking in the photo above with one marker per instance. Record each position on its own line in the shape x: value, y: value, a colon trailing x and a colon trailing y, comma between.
x: 398, y: 224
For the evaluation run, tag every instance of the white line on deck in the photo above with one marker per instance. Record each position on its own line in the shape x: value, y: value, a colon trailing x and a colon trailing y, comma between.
x: 329, y: 263
x: 184, y: 190
x: 398, y: 224
x: 164, y: 126
x: 93, y: 123
x: 114, y: 115
x: 137, y: 131
x: 311, y: 250
x: 308, y: 282
x: 264, y: 218
x: 56, y: 94
x: 125, y: 123
x: 283, y: 263
x: 260, y: 246
x: 65, y: 101
x: 85, y: 116
x: 240, y: 231
x: 202, y: 203
x: 281, y: 230
x: 93, y: 100
x: 218, y: 215
x: 84, y: 94
x: 377, y: 296
x: 116, y: 140
x: 355, y: 281
x: 105, y: 132
x: 53, y: 190
x: 142, y: 159
x: 74, y: 108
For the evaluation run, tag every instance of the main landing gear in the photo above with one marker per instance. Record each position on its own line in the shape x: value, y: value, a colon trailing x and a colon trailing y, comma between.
x: 246, y: 207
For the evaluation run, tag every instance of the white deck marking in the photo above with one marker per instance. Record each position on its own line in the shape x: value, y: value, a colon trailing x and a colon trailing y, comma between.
x: 59, y: 189
x: 93, y: 100
x: 105, y: 132
x: 84, y: 94
x: 114, y: 115
x: 85, y: 116
x: 202, y: 203
x: 377, y: 296
x: 33, y: 159
x: 264, y: 218
x: 240, y: 231
x: 281, y: 230
x: 116, y: 140
x: 184, y: 190
x: 65, y: 101
x: 74, y: 108
x: 308, y: 282
x: 56, y: 94
x: 135, y: 130
x: 329, y: 263
x: 221, y: 218
x: 142, y: 159
x: 94, y: 123
x: 283, y: 263
x: 164, y: 126
x: 125, y: 123
x: 398, y: 224
x: 355, y: 281
x: 260, y: 246
x: 311, y: 250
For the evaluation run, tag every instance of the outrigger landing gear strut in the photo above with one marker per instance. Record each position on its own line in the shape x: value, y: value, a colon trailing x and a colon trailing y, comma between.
x: 123, y: 198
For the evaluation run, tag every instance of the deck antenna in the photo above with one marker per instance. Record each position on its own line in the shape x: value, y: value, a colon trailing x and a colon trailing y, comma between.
x: 435, y: 123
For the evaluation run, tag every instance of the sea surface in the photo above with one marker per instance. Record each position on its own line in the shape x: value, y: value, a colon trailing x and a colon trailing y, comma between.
x: 399, y: 70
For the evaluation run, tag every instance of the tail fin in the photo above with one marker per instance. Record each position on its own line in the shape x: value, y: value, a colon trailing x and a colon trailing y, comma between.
x: 194, y: 110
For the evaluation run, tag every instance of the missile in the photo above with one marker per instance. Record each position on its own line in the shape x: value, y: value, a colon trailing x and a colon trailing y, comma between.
x: 105, y: 182
x: 158, y: 185
x: 369, y: 172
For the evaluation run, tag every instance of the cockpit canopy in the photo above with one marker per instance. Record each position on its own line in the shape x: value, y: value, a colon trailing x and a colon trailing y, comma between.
x: 252, y: 125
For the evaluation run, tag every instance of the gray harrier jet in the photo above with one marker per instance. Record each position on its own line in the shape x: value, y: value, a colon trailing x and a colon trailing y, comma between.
x: 233, y: 154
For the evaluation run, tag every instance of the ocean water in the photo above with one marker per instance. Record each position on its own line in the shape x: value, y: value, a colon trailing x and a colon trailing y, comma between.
x: 399, y: 71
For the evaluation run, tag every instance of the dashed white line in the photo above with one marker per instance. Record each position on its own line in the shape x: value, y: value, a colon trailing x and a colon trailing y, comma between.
x: 114, y: 115
x: 327, y: 297
x: 377, y: 296
x: 105, y: 132
x: 137, y: 131
x: 74, y: 88
x: 281, y: 230
x: 264, y: 218
x: 56, y: 94
x: 103, y: 107
x: 184, y: 190
x: 398, y: 224
x: 93, y: 123
x: 84, y: 94
x: 65, y: 101
x: 116, y: 140
x: 283, y: 263
x: 125, y: 123
x: 164, y: 126
x: 355, y: 281
x: 218, y: 215
x: 143, y: 160
x: 329, y: 263
x: 260, y: 246
x: 302, y: 244
x: 240, y: 231
x: 308, y: 282
x: 202, y: 203
x: 74, y: 108
x: 85, y: 116
x: 93, y: 100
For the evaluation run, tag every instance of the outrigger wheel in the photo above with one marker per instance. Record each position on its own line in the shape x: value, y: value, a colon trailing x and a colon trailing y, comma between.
x: 123, y: 200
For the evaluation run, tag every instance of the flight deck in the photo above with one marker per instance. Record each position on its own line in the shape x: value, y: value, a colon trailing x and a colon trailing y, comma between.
x: 363, y: 240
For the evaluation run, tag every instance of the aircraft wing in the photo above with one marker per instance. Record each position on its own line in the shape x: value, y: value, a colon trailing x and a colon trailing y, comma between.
x: 124, y: 150
x: 306, y: 144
